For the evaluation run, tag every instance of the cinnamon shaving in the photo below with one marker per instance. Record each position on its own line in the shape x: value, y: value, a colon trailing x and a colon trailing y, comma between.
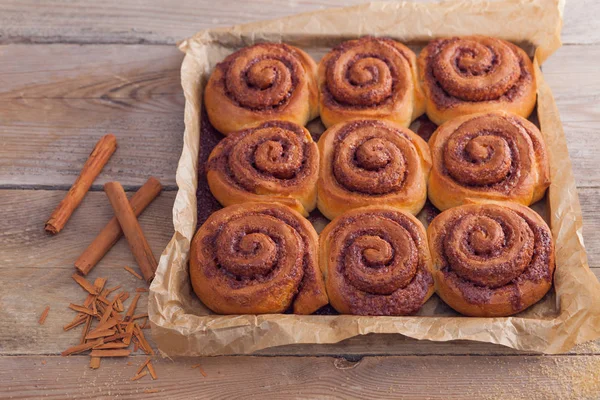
x: 143, y: 365
x: 86, y: 329
x: 44, y: 315
x: 110, y: 353
x: 82, y: 309
x: 112, y: 345
x: 139, y: 376
x: 151, y: 391
x: 101, y: 333
x: 132, y: 272
x: 131, y: 308
x: 85, y: 284
x: 81, y: 348
x: 151, y: 370
x: 95, y: 362
x: 200, y: 369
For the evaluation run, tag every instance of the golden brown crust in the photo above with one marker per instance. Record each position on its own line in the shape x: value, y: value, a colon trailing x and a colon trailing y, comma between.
x: 369, y: 162
x: 376, y: 262
x: 370, y: 78
x: 260, y: 83
x: 475, y: 74
x: 257, y: 258
x: 275, y: 161
x: 491, y: 259
x: 495, y: 156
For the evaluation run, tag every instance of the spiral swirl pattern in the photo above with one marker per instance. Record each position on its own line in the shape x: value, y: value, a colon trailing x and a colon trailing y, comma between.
x: 275, y: 161
x: 366, y: 161
x: 262, y: 82
x: 257, y: 258
x: 475, y: 74
x: 369, y: 77
x: 495, y: 155
x: 377, y: 262
x: 496, y: 258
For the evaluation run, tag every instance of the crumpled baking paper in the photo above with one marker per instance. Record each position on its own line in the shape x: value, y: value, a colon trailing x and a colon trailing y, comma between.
x: 570, y: 314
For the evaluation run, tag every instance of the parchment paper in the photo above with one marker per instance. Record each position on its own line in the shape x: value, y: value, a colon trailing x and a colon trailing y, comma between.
x: 570, y: 314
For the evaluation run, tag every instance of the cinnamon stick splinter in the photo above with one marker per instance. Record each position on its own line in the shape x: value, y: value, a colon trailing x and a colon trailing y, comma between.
x: 105, y: 148
x: 131, y: 228
x: 112, y: 232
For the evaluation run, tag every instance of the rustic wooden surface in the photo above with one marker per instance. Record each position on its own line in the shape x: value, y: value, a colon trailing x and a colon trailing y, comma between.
x: 73, y: 70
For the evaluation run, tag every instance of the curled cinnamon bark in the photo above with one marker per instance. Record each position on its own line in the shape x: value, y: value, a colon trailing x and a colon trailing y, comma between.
x: 491, y: 259
x: 259, y: 83
x: 369, y: 78
x: 464, y: 75
x: 275, y: 161
x: 497, y: 155
x: 366, y: 162
x: 257, y: 258
x: 376, y: 262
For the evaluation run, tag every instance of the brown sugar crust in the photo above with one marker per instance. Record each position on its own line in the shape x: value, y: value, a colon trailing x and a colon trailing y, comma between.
x: 474, y: 74
x: 496, y: 156
x: 491, y: 259
x: 259, y: 83
x: 275, y: 161
x: 368, y: 162
x: 370, y: 78
x: 257, y: 258
x: 376, y: 262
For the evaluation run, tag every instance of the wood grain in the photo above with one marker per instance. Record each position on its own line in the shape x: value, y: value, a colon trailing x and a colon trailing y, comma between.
x: 410, y: 377
x: 166, y: 22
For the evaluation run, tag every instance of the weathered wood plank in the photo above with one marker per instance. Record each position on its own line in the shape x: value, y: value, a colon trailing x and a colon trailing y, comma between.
x: 162, y: 21
x: 27, y: 291
x: 25, y: 244
x: 45, y: 142
x: 63, y: 105
x: 410, y: 377
x: 38, y: 265
x: 76, y: 94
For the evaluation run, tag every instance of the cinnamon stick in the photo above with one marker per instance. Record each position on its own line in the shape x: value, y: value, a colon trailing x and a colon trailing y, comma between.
x: 112, y: 232
x: 105, y: 148
x: 131, y: 228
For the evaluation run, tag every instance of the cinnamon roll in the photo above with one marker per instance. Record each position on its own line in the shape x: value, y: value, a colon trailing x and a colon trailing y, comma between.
x: 496, y: 156
x: 491, y: 260
x: 370, y: 78
x: 259, y: 83
x: 376, y: 262
x: 275, y: 161
x: 257, y: 258
x: 473, y: 74
x: 369, y: 162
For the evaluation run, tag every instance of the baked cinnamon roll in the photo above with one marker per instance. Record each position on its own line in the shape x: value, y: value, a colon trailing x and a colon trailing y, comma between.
x: 474, y: 74
x: 496, y: 156
x: 370, y: 78
x: 376, y: 262
x: 257, y: 258
x: 369, y: 162
x: 275, y: 161
x: 260, y: 83
x: 491, y: 260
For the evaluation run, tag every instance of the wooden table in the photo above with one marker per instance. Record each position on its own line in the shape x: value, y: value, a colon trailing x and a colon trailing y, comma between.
x: 73, y: 70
